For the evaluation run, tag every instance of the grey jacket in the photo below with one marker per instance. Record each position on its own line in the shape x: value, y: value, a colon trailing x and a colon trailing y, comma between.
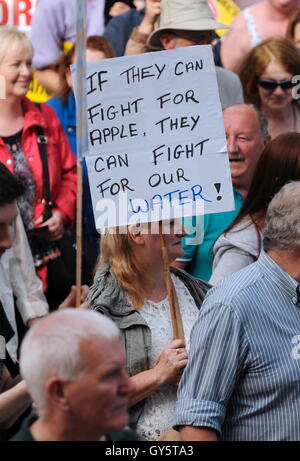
x: 236, y: 249
x: 107, y: 297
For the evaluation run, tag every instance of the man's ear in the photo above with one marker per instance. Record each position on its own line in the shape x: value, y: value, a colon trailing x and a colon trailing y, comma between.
x: 56, y: 391
x: 167, y: 41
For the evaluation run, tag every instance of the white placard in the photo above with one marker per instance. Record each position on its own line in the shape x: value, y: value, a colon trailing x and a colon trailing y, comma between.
x: 157, y: 146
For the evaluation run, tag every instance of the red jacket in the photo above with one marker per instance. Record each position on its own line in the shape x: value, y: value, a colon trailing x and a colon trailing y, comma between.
x: 61, y: 163
x: 61, y: 160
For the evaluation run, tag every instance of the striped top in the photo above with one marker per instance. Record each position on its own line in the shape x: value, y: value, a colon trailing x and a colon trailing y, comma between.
x: 243, y: 374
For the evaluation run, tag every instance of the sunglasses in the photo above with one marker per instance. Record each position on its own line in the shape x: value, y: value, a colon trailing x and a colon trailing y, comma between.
x: 273, y: 84
x: 197, y: 39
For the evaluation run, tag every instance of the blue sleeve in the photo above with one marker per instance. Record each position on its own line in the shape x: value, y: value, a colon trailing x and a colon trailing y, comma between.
x: 119, y: 29
x: 218, y: 354
x: 56, y: 104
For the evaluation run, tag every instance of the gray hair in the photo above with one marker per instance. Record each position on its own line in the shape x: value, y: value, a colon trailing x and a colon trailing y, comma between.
x: 52, y: 348
x: 262, y: 119
x: 13, y: 41
x: 282, y: 229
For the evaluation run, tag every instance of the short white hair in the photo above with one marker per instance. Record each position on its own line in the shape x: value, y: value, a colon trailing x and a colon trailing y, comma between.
x: 262, y: 119
x: 13, y: 41
x: 282, y: 229
x: 52, y: 348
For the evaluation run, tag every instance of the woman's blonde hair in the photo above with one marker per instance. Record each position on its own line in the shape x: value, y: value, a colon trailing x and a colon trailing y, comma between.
x: 13, y: 41
x: 256, y: 61
x: 118, y: 252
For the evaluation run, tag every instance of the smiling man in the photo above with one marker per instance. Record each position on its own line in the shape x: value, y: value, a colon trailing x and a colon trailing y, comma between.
x: 246, y: 133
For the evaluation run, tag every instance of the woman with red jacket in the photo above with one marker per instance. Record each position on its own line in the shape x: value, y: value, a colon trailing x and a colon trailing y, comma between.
x: 21, y: 125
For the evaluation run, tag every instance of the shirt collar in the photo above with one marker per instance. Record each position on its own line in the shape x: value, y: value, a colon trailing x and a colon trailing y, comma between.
x: 278, y: 276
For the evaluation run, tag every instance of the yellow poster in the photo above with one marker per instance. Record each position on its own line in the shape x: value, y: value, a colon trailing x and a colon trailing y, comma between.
x: 223, y: 11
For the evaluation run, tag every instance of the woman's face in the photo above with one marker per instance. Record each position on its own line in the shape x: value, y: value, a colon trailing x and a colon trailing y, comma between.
x: 90, y: 56
x: 277, y: 99
x: 17, y: 71
x: 173, y: 232
x: 94, y: 55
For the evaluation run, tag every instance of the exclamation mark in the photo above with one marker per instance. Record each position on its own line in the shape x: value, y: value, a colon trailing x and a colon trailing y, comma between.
x: 218, y: 187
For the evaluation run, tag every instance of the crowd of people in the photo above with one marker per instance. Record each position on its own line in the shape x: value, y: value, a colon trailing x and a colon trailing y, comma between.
x: 112, y: 369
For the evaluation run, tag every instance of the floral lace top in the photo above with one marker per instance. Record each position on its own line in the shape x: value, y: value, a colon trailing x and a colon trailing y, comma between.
x: 159, y: 409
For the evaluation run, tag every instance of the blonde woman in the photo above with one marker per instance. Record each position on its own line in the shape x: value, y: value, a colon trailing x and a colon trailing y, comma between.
x: 21, y: 123
x: 129, y: 287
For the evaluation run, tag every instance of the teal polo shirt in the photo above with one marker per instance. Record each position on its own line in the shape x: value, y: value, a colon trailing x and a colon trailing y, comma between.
x: 199, y: 256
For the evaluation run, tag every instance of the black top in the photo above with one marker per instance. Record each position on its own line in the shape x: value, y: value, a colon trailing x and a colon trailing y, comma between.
x: 24, y: 434
x: 23, y: 171
x: 13, y: 139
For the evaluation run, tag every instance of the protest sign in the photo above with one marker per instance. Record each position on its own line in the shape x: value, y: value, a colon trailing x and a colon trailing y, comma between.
x: 157, y: 146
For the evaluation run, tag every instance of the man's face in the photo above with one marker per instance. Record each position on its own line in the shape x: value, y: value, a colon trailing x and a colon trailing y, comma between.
x: 244, y: 144
x: 99, y: 397
x: 173, y: 232
x: 183, y: 38
x: 7, y: 215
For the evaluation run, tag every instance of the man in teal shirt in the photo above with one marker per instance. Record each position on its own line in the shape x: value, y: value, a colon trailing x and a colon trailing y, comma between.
x: 246, y: 134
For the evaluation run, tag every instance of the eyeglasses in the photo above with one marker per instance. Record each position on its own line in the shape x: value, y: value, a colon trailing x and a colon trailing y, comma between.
x: 273, y: 84
x: 197, y: 39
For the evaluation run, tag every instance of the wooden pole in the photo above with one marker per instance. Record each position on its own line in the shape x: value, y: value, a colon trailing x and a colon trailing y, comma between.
x: 169, y: 284
x: 78, y: 232
x: 81, y: 128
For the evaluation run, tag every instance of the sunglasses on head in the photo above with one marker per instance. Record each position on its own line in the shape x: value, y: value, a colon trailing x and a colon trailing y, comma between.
x: 273, y: 84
